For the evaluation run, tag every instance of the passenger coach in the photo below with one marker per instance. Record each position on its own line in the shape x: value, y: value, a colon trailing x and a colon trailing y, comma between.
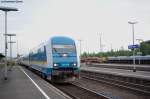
x: 56, y: 59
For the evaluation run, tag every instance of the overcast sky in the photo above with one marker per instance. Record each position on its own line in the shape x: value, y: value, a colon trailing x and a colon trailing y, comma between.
x: 37, y: 20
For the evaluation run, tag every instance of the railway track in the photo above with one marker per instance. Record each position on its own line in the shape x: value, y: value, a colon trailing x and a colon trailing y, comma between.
x: 78, y: 92
x: 75, y: 91
x: 126, y: 85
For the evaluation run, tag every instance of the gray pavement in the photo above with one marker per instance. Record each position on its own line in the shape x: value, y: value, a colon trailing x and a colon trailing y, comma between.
x: 127, y: 73
x: 120, y: 66
x: 20, y: 86
x: 128, y: 65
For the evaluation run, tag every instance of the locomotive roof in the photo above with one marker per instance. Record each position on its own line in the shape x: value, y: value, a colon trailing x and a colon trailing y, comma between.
x: 62, y: 40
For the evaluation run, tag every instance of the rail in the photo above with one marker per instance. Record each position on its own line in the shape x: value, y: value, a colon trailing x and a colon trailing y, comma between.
x: 78, y: 92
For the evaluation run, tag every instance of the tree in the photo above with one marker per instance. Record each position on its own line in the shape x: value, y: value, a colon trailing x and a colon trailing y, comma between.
x: 120, y: 52
x: 145, y: 48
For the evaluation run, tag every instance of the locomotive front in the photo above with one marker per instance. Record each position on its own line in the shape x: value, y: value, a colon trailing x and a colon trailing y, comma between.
x: 64, y: 59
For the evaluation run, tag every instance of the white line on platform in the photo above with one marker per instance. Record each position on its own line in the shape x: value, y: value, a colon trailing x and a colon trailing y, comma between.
x: 46, y: 96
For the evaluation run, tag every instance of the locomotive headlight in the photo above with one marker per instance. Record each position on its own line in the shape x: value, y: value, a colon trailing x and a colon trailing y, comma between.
x: 64, y: 55
x: 74, y: 64
x: 55, y: 64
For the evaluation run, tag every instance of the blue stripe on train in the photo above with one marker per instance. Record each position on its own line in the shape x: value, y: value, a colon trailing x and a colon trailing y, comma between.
x: 44, y: 70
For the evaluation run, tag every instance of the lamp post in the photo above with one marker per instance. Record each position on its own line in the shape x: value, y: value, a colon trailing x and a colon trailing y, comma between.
x: 132, y: 23
x: 6, y: 9
x: 11, y: 42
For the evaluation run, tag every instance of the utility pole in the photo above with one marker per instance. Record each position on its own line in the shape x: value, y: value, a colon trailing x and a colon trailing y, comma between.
x: 100, y: 40
x: 139, y: 53
x: 80, y: 46
x: 111, y: 48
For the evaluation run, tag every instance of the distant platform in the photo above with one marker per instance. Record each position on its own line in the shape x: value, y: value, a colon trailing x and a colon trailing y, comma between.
x: 120, y: 72
x: 119, y: 66
x: 23, y: 84
x: 113, y: 64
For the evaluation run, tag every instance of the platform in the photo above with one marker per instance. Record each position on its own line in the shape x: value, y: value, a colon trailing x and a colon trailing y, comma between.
x: 23, y: 84
x: 120, y: 72
x: 126, y: 65
x: 120, y: 66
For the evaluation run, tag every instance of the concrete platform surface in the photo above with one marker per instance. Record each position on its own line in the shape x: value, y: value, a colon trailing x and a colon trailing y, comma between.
x: 121, y: 72
x: 23, y: 84
x: 119, y: 66
x: 126, y: 65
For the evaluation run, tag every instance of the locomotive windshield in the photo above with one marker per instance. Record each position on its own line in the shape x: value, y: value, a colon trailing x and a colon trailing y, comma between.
x: 63, y: 49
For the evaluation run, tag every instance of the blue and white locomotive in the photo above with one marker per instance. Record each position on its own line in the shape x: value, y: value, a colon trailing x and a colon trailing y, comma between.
x: 56, y: 59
